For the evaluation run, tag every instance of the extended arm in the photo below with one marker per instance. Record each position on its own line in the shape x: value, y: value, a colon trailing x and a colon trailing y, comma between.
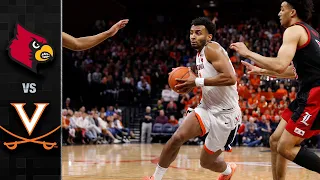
x: 286, y: 52
x: 288, y: 73
x: 83, y: 43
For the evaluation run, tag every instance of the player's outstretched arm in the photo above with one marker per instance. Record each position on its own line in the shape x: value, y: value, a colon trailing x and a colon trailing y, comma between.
x: 286, y: 53
x: 289, y: 73
x: 84, y: 43
x: 220, y: 61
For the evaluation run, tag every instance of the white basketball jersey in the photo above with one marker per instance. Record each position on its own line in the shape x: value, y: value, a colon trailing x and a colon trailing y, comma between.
x: 216, y: 98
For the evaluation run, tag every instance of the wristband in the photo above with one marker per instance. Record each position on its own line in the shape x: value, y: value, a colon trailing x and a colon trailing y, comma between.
x: 199, y: 82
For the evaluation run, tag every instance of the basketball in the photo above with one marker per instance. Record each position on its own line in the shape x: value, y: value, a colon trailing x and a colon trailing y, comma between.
x: 181, y: 73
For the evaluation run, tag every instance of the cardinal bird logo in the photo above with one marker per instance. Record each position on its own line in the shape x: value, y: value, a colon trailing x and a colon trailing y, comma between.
x: 28, y: 49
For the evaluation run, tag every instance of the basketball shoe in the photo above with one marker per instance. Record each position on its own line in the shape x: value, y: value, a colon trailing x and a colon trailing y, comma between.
x: 228, y: 177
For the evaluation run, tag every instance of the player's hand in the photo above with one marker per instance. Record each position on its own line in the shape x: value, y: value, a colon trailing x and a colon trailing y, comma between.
x: 251, y: 68
x: 240, y: 48
x: 186, y: 84
x: 119, y: 25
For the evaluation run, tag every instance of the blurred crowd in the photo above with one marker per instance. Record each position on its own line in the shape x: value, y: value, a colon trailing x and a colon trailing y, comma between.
x: 132, y: 70
x: 94, y: 126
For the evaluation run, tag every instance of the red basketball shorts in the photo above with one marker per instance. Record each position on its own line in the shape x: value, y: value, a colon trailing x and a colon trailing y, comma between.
x: 303, y: 114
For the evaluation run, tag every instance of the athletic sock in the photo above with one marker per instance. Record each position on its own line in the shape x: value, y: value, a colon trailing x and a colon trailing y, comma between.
x: 160, y: 171
x: 227, y: 171
x: 308, y: 159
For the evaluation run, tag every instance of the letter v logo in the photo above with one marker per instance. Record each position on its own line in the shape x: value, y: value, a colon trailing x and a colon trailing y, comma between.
x: 30, y: 124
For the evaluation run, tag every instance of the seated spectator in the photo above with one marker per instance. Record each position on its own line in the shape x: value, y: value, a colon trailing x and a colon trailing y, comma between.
x: 243, y: 104
x: 110, y: 111
x: 251, y: 123
x: 158, y: 107
x: 273, y: 104
x: 171, y: 108
x: 255, y: 81
x: 166, y: 94
x: 162, y: 119
x: 252, y: 138
x: 146, y: 128
x: 143, y: 87
x: 284, y: 100
x: 269, y: 94
x: 282, y: 91
x: 92, y: 130
x: 114, y: 130
x: 102, y: 111
x: 119, y: 125
x: 103, y: 125
x: 253, y: 101
x: 67, y: 105
x: 67, y: 137
x: 265, y: 129
x: 293, y: 94
x: 173, y: 120
x: 275, y: 123
x: 81, y: 125
x: 263, y: 105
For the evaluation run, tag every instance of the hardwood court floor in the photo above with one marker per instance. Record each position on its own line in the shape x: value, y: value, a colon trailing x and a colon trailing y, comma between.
x: 133, y: 161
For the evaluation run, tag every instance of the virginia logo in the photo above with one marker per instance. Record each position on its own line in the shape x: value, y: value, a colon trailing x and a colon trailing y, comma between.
x: 30, y: 124
x: 29, y: 49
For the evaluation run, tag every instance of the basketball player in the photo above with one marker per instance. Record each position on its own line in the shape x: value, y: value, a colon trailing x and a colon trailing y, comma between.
x: 298, y: 56
x: 83, y: 43
x: 218, y: 113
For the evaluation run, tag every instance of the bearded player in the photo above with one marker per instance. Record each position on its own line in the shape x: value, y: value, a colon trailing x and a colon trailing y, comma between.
x: 218, y: 113
x: 83, y: 43
x: 299, y: 56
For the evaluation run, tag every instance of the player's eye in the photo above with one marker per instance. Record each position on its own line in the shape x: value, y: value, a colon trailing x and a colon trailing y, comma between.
x: 35, y: 45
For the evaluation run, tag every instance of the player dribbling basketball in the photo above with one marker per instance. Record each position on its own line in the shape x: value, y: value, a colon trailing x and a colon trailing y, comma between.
x: 218, y: 113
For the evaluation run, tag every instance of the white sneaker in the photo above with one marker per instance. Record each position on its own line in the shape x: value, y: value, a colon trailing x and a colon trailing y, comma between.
x: 126, y: 140
x: 116, y: 141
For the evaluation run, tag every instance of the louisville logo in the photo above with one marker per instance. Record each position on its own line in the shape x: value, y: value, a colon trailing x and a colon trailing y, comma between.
x: 29, y: 49
x: 30, y: 124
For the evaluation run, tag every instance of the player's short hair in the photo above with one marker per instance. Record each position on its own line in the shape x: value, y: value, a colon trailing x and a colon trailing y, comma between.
x: 304, y: 8
x: 210, y: 26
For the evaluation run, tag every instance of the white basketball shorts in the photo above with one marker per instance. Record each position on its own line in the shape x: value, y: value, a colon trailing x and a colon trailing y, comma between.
x: 221, y: 127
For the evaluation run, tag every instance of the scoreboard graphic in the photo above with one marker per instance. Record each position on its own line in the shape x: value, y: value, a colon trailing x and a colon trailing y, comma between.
x: 30, y: 93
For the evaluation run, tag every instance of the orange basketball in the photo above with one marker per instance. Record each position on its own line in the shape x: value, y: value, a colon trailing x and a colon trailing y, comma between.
x: 181, y: 73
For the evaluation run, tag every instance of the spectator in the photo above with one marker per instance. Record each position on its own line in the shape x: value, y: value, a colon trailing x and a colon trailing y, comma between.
x: 252, y: 138
x: 251, y: 123
x: 171, y: 108
x: 173, y: 121
x: 146, y: 128
x: 96, y: 76
x: 282, y: 91
x: 67, y: 105
x: 162, y: 119
x: 293, y: 94
x: 119, y: 125
x: 275, y: 123
x: 265, y: 129
x: 103, y: 125
x: 166, y: 94
x: 110, y: 111
x: 263, y: 105
x: 159, y: 106
x: 143, y: 86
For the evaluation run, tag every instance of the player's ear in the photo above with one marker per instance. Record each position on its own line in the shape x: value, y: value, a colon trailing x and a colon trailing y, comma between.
x: 293, y: 12
x: 209, y: 37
